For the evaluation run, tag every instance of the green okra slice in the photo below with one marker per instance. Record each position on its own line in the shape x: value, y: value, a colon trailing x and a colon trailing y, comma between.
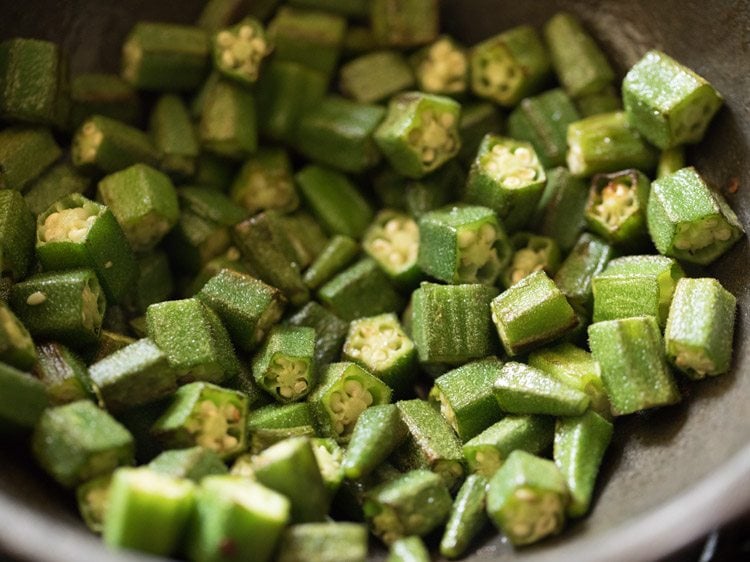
x: 690, y: 221
x: 560, y: 213
x: 419, y: 133
x: 261, y: 439
x: 526, y: 498
x: 462, y: 244
x: 108, y: 343
x: 586, y: 260
x: 141, y: 500
x: 330, y: 331
x: 165, y: 57
x: 348, y: 502
x: 25, y: 153
x: 630, y: 353
x: 465, y: 399
x: 700, y: 328
x: 510, y: 66
x: 281, y: 416
x: 195, y: 240
x: 392, y: 240
x: 530, y: 253
x: 435, y: 190
x: 410, y: 505
x: 204, y: 414
x: 667, y: 102
x: 16, y: 346
x: 239, y: 50
x: 380, y: 345
x: 409, y: 549
x: 376, y: 76
x: 338, y: 253
x: 174, y: 136
x: 283, y: 467
x: 531, y: 313
x: 58, y: 181
x: 64, y: 374
x: 228, y: 124
x: 235, y: 515
x: 451, y: 323
x: 306, y: 236
x: 580, y: 444
x: 284, y: 366
x: 67, y: 306
x: 264, y: 182
x: 194, y: 340
x: 323, y: 542
x: 477, y: 120
x: 467, y: 519
x: 92, y: 499
x: 214, y: 171
x: 329, y: 457
x: 589, y: 151
x: 670, y: 161
x: 102, y: 94
x: 155, y: 282
x: 604, y: 101
x: 378, y: 432
x: 23, y: 398
x: 442, y: 67
x: 230, y: 260
x: 507, y: 177
x: 77, y: 442
x: 404, y: 23
x: 360, y: 290
x: 580, y: 64
x: 17, y: 228
x: 193, y: 463
x: 211, y: 205
x: 543, y: 121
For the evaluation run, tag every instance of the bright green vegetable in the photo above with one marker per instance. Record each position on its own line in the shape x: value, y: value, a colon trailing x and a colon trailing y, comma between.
x: 467, y: 519
x: 376, y: 76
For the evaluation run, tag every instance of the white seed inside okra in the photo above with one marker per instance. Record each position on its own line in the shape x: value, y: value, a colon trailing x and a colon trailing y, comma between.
x: 86, y: 143
x: 434, y: 136
x: 698, y: 235
x: 211, y: 425
x: 397, y: 242
x: 534, y: 515
x: 513, y: 167
x: 68, y: 225
x: 242, y: 51
x: 444, y: 68
x: 347, y: 404
x: 376, y: 343
x: 288, y: 376
x: 478, y: 258
x: 615, y: 203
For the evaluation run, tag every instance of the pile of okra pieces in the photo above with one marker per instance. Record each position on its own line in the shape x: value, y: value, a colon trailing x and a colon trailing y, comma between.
x: 412, y: 309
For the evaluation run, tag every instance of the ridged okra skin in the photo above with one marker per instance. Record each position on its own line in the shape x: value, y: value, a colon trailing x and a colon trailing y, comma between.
x: 324, y: 542
x: 63, y: 373
x: 530, y: 253
x: 330, y: 331
x: 174, y: 136
x: 193, y: 463
x: 393, y: 241
x: 336, y: 255
x: 404, y: 23
x: 16, y: 346
x: 265, y: 182
x: 17, y: 233
x: 588, y: 258
x: 477, y: 120
x: 442, y: 67
x: 378, y: 432
x: 239, y: 50
x: 25, y: 152
x: 376, y: 76
x: 284, y: 366
x: 55, y: 183
x: 228, y: 124
x: 102, y: 94
x: 467, y: 519
x: 23, y: 398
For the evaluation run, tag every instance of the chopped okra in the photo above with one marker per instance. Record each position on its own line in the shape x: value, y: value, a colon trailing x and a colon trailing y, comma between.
x: 264, y: 182
x: 376, y: 76
x: 63, y: 373
x: 404, y: 23
x: 239, y: 50
x: 324, y: 542
x: 25, y: 153
x: 378, y: 432
x: 393, y: 241
x: 467, y: 519
x: 530, y: 253
x: 22, y: 401
x: 442, y: 67
x: 17, y: 233
x: 284, y: 367
x: 16, y: 346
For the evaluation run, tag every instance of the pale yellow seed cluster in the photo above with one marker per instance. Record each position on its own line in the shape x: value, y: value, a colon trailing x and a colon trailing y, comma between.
x: 477, y: 252
x: 525, y: 262
x: 68, y: 225
x: 86, y: 143
x: 436, y: 136
x: 487, y: 461
x: 375, y: 345
x: 288, y: 376
x: 444, y: 68
x: 132, y: 55
x: 695, y: 360
x: 513, y: 167
x: 696, y: 236
x: 617, y: 202
x: 397, y: 242
x: 534, y: 515
x: 36, y: 298
x: 347, y: 404
x: 242, y: 51
x: 498, y: 74
x: 210, y: 425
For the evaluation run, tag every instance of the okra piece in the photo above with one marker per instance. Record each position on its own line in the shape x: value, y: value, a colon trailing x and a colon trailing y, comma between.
x: 16, y: 346
x: 140, y: 500
x: 165, y: 57
x: 561, y: 214
x: 33, y: 82
x: 543, y: 121
x: 228, y: 125
x: 204, y: 414
x: 217, y: 14
x: 667, y: 102
x: 305, y: 234
x: 211, y: 205
x: 412, y: 504
x: 530, y: 253
x: 477, y: 120
x: 586, y: 260
x: 103, y: 144
x: 467, y: 519
x: 231, y: 260
x: 324, y: 542
x: 510, y: 66
x: 526, y: 499
x: 378, y: 432
x: 193, y: 463
x: 329, y: 456
x: 339, y: 133
x: 354, y: 9
x: 605, y: 101
x: 92, y: 498
x: 214, y: 171
x: 380, y: 345
x: 281, y: 416
x: 442, y: 67
x: 155, y: 282
x: 239, y: 50
x: 375, y: 76
x: 284, y: 366
x: 63, y: 373
x: 67, y: 306
x: 531, y: 313
x: 283, y: 467
x: 58, y: 181
x: 392, y: 240
x: 607, y: 143
x: 265, y: 182
x: 335, y: 256
x: 409, y: 549
x: 17, y: 230
x: 261, y: 439
x: 580, y: 64
x: 580, y: 444
x: 174, y: 136
x: 22, y: 400
x: 108, y: 343
x: 25, y: 153
x: 700, y: 328
x: 507, y: 177
x: 404, y: 24
x: 670, y: 161
x: 194, y: 340
x: 419, y: 133
x: 636, y: 286
x: 102, y: 94
x: 330, y: 331
x: 77, y: 442
x: 688, y: 220
x: 465, y: 399
x: 451, y: 323
x: 360, y: 290
x: 630, y: 353
x: 248, y: 307
x: 235, y: 515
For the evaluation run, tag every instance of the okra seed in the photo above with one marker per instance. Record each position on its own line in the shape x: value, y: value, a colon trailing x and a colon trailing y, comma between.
x: 36, y: 298
x: 225, y: 39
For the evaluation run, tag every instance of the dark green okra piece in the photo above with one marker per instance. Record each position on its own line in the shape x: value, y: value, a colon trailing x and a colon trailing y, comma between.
x: 17, y: 232
x: 193, y: 463
x: 467, y: 519
x: 335, y: 256
x: 451, y: 323
x: 228, y: 126
x: 231, y: 260
x: 140, y: 500
x: 25, y: 153
x: 392, y: 240
x: 530, y: 253
x: 239, y: 50
x: 670, y: 161
x: 348, y: 502
x: 561, y: 213
x: 414, y: 503
x: 353, y: 9
x: 688, y: 220
x: 174, y: 136
x: 419, y: 133
x: 360, y: 290
x: 510, y: 66
x: 586, y: 260
x: 442, y: 67
x: 58, y: 181
x: 78, y: 441
x: 63, y: 373
x: 477, y: 120
x: 526, y: 498
x: 531, y: 313
x: 378, y: 432
x: 284, y: 366
x: 700, y: 328
x: 102, y: 94
x: 281, y: 416
x: 262, y: 439
x: 329, y: 456
x: 323, y: 542
x: 264, y: 182
x: 155, y: 282
x: 630, y: 353
x: 217, y: 14
x: 305, y: 234
x: 67, y: 306
x: 22, y: 400
x: 211, y: 205
x: 195, y: 240
x: 434, y: 190
x: 376, y: 76
x: 465, y: 399
x: 214, y: 171
x: 404, y: 23
x: 91, y: 498
x: 604, y: 101
x: 579, y: 63
x: 108, y: 343
x: 409, y: 549
x: 16, y: 346
x: 667, y: 102
x: 165, y: 57
x: 580, y: 444
x: 330, y: 331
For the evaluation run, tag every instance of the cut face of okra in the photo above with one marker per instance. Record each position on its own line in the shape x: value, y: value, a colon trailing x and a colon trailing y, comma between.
x: 587, y: 259
x: 16, y: 346
x: 329, y: 456
x: 462, y: 244
x: 530, y: 253
x: 193, y: 463
x: 324, y: 542
x: 419, y: 133
x: 616, y: 207
x: 330, y: 331
x: 16, y: 234
x: 264, y: 182
x: 174, y: 136
x: 700, y: 328
x: 378, y: 432
x: 376, y: 76
x: 22, y: 400
x: 58, y: 181
x: 442, y: 67
x: 92, y: 499
x: 690, y: 221
x: 284, y: 366
x: 526, y: 498
x: 404, y: 23
x: 207, y: 415
x: 239, y: 50
x: 25, y: 152
x: 228, y: 126
x: 102, y: 94
x: 467, y: 519
x: 667, y: 102
x: 63, y: 373
x: 392, y: 240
